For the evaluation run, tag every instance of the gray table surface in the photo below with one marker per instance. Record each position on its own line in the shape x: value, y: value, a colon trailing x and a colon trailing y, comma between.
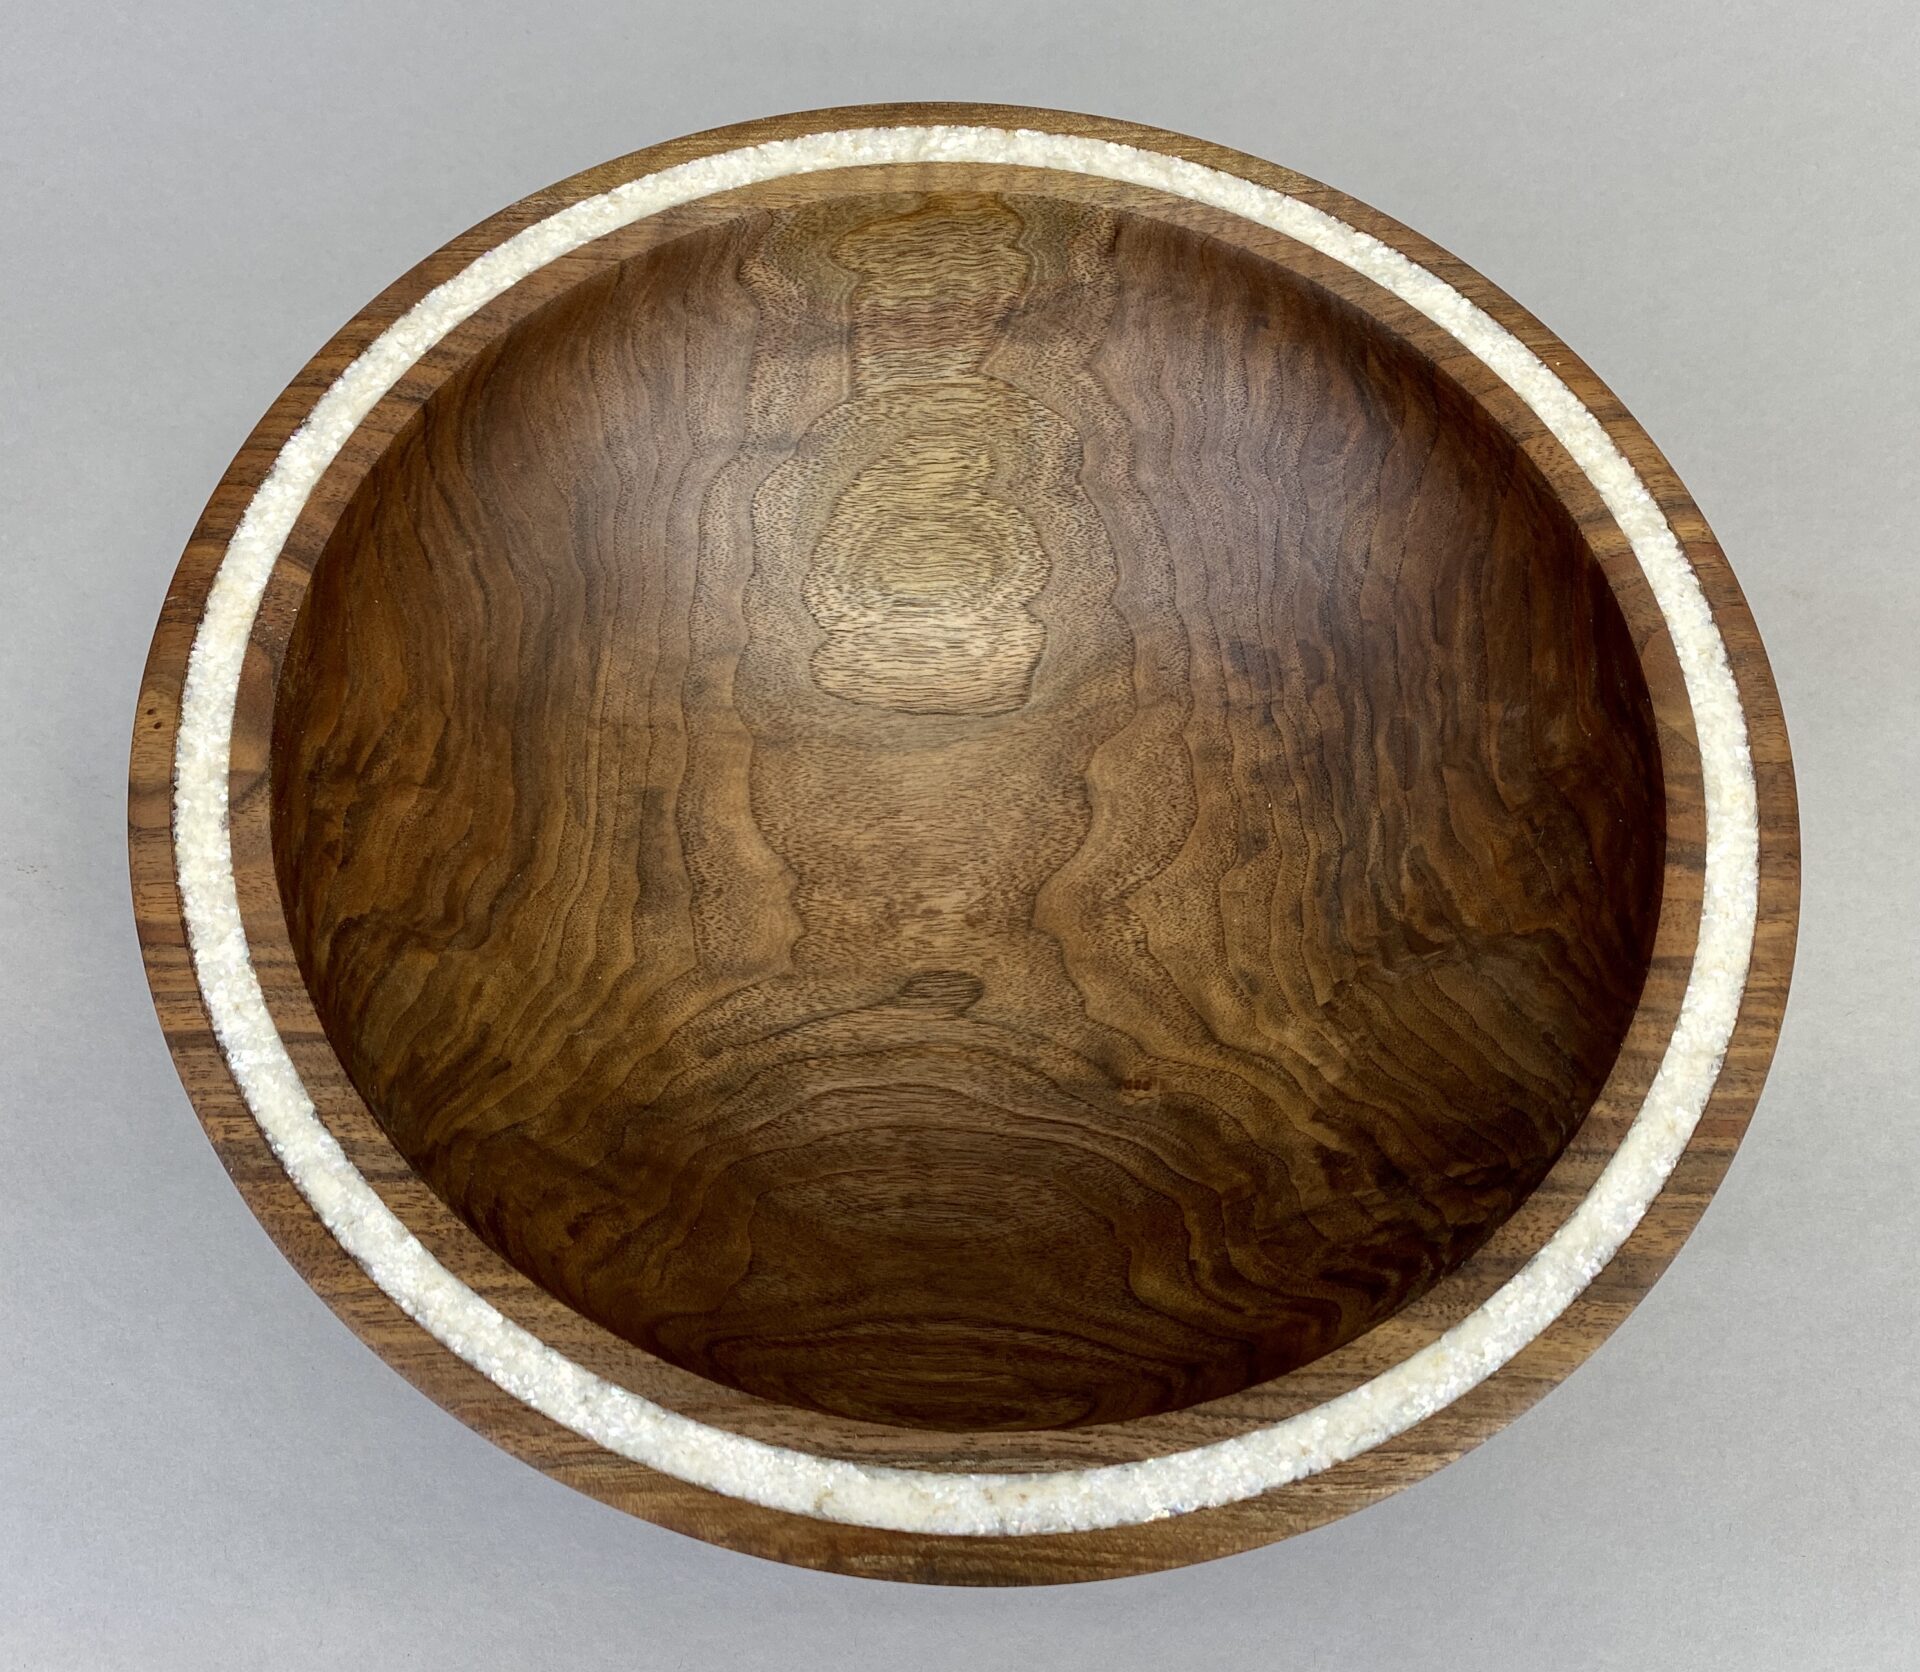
x: 1718, y: 205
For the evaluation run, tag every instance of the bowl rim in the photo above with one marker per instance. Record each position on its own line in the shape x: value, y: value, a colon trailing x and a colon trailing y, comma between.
x: 1025, y: 1528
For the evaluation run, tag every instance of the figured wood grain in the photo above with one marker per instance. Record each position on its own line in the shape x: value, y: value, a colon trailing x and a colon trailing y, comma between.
x: 1386, y: 1467
x: 967, y: 811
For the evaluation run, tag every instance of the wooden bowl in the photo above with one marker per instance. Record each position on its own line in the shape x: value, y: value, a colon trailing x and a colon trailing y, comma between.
x: 962, y: 843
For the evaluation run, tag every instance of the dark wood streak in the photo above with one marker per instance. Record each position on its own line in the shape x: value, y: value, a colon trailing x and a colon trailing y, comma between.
x: 967, y: 810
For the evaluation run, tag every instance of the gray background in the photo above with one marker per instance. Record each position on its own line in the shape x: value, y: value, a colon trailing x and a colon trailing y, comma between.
x: 1715, y: 204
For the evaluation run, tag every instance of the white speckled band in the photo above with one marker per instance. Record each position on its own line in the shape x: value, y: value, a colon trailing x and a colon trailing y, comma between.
x: 915, y: 1500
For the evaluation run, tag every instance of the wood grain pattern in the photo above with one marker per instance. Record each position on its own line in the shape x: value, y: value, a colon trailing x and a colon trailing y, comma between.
x: 1448, y: 382
x: 945, y: 849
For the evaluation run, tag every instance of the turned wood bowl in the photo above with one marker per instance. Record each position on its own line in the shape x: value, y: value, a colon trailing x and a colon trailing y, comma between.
x: 964, y: 843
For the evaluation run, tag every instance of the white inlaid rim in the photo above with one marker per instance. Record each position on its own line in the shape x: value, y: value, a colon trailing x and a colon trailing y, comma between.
x: 914, y: 1500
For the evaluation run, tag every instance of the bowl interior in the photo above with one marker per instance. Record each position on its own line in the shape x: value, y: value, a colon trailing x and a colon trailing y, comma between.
x: 967, y: 810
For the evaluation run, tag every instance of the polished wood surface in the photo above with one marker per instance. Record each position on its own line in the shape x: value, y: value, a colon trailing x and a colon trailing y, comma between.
x: 967, y: 811
x: 1418, y: 360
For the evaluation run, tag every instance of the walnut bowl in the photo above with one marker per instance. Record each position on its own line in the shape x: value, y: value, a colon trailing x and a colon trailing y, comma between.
x: 963, y: 843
